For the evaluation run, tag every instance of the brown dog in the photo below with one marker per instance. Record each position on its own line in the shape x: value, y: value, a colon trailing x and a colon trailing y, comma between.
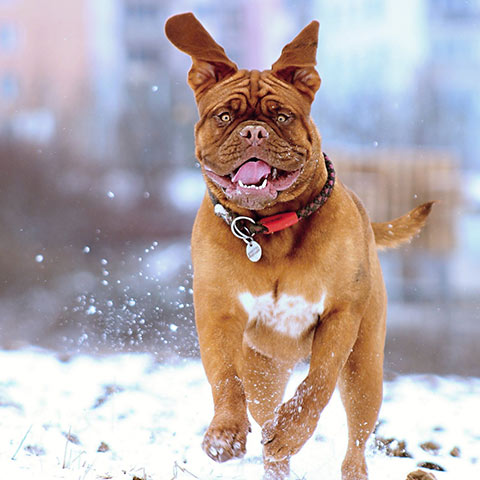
x: 313, y: 288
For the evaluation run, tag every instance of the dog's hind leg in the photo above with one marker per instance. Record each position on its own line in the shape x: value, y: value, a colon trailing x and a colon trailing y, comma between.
x: 360, y: 386
x: 264, y: 380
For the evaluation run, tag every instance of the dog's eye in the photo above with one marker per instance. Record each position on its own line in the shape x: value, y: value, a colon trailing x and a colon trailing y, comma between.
x: 225, y: 117
x: 282, y: 118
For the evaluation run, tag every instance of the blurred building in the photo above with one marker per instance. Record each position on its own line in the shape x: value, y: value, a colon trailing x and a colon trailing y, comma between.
x: 43, y: 66
x: 401, y: 73
x: 363, y: 45
x: 370, y: 53
x: 452, y: 73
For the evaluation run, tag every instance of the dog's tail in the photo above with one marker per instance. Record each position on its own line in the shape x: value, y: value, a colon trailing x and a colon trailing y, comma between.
x: 401, y: 230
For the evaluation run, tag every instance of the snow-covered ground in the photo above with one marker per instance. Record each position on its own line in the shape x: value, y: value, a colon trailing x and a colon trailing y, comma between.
x: 124, y: 416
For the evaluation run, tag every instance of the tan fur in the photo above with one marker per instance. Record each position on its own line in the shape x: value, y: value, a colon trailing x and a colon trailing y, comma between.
x: 317, y: 291
x: 401, y: 230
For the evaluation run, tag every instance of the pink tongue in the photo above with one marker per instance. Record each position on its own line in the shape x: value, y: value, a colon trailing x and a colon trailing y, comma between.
x: 252, y: 172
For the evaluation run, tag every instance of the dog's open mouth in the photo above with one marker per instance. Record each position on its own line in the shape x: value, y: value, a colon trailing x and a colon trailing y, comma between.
x: 254, y: 182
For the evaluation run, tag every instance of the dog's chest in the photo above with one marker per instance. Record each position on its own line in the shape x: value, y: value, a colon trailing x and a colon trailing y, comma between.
x: 288, y: 315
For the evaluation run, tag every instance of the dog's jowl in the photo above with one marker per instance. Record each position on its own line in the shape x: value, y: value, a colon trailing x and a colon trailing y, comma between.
x: 284, y: 256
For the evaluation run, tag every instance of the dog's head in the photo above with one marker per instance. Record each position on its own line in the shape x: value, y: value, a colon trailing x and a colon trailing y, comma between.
x: 255, y: 140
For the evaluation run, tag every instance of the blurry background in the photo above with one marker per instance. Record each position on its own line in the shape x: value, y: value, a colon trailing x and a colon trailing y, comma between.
x: 99, y: 184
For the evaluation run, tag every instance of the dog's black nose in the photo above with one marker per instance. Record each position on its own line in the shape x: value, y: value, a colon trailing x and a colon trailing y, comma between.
x: 254, y: 134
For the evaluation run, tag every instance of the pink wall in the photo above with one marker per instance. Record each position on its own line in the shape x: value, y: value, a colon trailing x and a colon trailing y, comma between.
x: 49, y: 55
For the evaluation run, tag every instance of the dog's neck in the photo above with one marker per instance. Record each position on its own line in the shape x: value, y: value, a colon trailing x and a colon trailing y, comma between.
x: 274, y: 223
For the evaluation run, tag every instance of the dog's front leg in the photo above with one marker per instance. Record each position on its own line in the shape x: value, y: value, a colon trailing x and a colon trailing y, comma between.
x: 220, y: 339
x: 296, y: 420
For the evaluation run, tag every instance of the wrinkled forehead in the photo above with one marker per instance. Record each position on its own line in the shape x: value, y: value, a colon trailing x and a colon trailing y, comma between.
x: 253, y: 89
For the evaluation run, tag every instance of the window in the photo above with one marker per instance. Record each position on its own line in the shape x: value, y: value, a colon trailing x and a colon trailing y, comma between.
x: 141, y: 11
x: 9, y: 87
x: 8, y: 37
x: 143, y: 53
x: 456, y: 9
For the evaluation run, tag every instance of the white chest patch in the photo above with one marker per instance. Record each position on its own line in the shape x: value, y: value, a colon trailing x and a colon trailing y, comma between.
x: 288, y: 314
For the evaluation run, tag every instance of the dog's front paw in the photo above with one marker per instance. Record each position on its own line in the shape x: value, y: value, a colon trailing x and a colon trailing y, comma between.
x: 287, y: 432
x: 226, y: 438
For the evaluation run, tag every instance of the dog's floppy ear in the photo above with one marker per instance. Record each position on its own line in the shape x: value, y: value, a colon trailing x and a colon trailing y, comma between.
x: 210, y: 63
x: 296, y: 64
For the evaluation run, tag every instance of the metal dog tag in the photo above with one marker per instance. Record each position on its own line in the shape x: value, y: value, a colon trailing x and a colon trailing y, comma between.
x: 254, y: 251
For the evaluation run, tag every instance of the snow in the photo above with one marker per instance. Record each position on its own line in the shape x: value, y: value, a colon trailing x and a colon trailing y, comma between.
x: 150, y: 419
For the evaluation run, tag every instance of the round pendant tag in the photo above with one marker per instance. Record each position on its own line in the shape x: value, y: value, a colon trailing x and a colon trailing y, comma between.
x: 254, y: 251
